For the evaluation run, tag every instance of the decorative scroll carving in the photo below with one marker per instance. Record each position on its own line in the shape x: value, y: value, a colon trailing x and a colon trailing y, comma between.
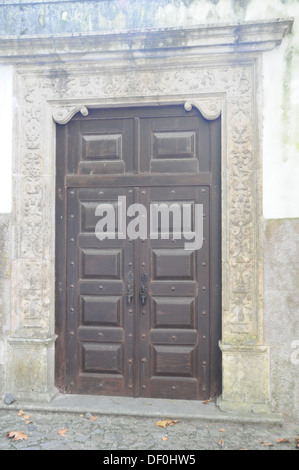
x: 63, y: 114
x: 210, y: 108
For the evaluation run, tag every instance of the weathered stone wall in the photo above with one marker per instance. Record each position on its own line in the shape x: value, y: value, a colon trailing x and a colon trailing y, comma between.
x: 4, y: 288
x: 46, y: 17
x: 282, y: 312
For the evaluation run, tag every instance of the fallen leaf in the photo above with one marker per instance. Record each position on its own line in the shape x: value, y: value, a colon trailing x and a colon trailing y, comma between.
x: 62, y: 432
x: 221, y: 442
x: 281, y: 441
x: 206, y: 402
x: 26, y: 416
x: 17, y: 435
x: 93, y: 418
x: 268, y: 444
x: 221, y: 430
x: 29, y: 422
x: 297, y: 442
x: 164, y: 438
x: 166, y: 422
x: 21, y: 413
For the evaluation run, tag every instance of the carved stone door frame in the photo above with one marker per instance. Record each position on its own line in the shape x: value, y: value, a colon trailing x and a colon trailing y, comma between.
x: 217, y: 70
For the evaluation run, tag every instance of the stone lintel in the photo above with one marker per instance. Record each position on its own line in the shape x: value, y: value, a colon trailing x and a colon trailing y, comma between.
x: 254, y: 36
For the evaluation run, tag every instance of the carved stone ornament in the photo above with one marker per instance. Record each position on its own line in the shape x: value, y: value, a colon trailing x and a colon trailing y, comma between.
x: 210, y: 108
x: 63, y: 114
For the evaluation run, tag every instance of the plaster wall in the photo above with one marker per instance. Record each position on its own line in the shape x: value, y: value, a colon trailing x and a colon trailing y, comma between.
x: 4, y: 290
x: 6, y: 107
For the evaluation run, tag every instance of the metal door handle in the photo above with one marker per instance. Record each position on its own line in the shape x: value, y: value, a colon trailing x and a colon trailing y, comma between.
x: 143, y: 294
x: 130, y: 287
x: 130, y: 294
x: 143, y: 289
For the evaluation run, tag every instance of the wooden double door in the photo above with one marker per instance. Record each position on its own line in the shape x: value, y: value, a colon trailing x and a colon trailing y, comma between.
x: 138, y: 311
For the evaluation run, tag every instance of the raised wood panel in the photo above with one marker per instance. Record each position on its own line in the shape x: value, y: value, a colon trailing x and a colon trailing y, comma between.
x: 174, y: 361
x: 173, y: 264
x: 89, y: 218
x: 173, y: 145
x: 102, y: 147
x: 174, y: 336
x: 101, y: 334
x: 105, y: 311
x: 173, y: 387
x: 102, y: 263
x: 103, y: 358
x: 173, y: 312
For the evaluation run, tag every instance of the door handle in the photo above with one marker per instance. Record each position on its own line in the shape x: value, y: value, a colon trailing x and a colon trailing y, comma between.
x: 143, y: 289
x: 130, y: 294
x: 143, y: 294
x: 130, y: 288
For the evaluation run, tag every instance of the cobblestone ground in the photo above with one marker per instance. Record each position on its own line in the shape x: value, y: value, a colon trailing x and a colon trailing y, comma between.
x: 66, y: 431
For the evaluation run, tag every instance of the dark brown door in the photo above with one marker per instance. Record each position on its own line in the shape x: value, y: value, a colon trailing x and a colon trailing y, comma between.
x: 138, y: 316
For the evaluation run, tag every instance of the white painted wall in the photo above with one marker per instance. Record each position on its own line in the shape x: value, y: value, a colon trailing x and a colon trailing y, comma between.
x: 281, y: 98
x: 281, y: 129
x: 5, y: 138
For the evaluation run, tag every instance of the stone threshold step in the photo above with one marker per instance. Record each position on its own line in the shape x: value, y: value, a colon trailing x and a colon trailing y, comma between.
x: 143, y: 407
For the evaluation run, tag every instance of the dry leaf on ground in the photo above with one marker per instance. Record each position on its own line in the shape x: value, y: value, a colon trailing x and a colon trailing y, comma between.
x: 164, y: 438
x: 221, y: 430
x: 297, y: 442
x: 17, y: 435
x: 93, y: 418
x: 282, y: 441
x: 62, y: 432
x: 221, y: 442
x: 166, y: 422
x: 23, y: 415
x: 206, y: 402
x: 267, y: 444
